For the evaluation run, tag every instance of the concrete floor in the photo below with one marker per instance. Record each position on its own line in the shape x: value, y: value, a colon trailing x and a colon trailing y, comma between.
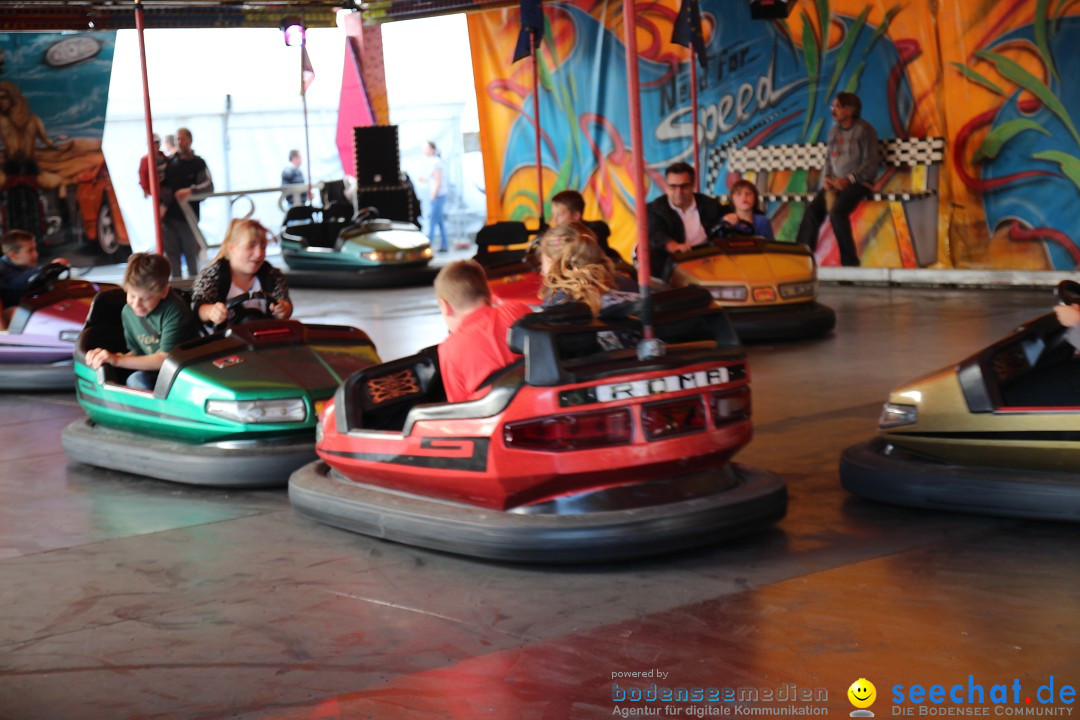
x: 122, y: 597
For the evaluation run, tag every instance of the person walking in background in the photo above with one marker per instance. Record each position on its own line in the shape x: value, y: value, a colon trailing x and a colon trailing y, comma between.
x: 170, y: 145
x: 293, y: 175
x: 852, y: 160
x: 437, y: 191
x: 185, y: 173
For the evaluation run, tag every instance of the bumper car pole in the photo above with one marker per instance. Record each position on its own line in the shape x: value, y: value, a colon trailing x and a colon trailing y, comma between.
x: 694, y: 115
x: 536, y: 124
x: 650, y: 346
x: 152, y: 151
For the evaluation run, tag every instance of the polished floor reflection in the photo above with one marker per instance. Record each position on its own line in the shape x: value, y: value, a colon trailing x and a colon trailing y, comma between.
x: 122, y: 597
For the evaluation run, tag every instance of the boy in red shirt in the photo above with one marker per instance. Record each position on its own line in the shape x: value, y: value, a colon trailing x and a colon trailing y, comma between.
x: 478, y: 330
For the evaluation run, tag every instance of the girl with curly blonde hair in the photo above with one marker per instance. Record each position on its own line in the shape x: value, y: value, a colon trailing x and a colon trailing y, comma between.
x: 579, y: 270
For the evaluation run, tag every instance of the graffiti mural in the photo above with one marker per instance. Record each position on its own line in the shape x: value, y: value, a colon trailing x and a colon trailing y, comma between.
x: 54, y: 183
x: 999, y: 104
x: 1016, y: 149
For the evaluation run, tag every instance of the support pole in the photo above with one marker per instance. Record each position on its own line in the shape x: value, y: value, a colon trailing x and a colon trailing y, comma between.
x: 536, y: 118
x: 694, y: 124
x: 307, y: 137
x: 637, y: 160
x: 152, y: 151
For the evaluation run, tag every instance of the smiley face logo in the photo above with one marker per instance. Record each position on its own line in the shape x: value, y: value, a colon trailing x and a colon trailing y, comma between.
x: 862, y: 693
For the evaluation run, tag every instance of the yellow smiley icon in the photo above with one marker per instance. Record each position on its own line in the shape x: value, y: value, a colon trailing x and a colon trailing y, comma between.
x: 862, y: 693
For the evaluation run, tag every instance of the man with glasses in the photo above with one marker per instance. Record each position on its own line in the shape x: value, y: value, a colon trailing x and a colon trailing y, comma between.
x: 680, y: 220
x: 851, y: 166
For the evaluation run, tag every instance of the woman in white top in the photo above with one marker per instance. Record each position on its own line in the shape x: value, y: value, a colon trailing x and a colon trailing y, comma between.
x: 436, y: 179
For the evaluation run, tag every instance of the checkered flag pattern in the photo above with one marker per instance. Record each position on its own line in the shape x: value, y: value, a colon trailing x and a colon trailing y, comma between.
x: 898, y: 152
x: 766, y: 158
x: 913, y: 151
x: 717, y: 156
x: 714, y: 163
x: 894, y: 151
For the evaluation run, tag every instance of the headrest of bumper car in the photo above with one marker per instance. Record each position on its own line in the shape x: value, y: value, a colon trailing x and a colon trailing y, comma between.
x: 299, y: 213
x: 502, y: 233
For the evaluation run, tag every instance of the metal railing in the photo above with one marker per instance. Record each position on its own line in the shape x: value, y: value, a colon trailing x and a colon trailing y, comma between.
x: 297, y: 191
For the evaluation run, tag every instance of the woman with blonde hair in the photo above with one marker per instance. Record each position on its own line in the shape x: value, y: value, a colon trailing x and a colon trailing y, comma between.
x: 579, y: 270
x: 240, y: 267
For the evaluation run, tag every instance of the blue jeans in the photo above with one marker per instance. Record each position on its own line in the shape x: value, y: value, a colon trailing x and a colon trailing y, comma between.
x: 142, y: 380
x: 437, y: 222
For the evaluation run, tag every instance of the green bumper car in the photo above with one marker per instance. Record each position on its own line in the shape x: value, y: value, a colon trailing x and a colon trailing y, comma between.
x: 331, y: 247
x: 237, y: 408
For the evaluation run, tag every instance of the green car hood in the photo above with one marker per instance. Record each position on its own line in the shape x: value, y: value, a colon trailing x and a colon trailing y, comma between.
x: 288, y: 360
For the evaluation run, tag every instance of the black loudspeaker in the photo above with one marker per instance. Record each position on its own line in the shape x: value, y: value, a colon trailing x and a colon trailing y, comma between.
x: 393, y: 203
x: 378, y: 160
x: 770, y: 9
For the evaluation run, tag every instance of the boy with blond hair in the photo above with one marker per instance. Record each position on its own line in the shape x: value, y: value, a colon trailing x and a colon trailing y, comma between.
x: 155, y: 320
x: 478, y: 330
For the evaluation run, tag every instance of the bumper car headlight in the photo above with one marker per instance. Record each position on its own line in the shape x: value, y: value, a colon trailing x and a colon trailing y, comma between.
x: 797, y: 290
x: 730, y: 293
x: 894, y: 415
x: 258, y: 411
x: 374, y: 256
x: 427, y: 253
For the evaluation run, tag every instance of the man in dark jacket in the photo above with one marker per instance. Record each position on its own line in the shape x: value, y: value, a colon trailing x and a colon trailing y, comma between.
x: 186, y: 173
x: 680, y: 220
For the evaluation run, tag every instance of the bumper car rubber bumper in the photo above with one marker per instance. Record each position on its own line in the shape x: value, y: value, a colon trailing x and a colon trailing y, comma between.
x: 805, y: 320
x: 375, y: 277
x: 60, y: 376
x: 758, y: 499
x: 240, y: 464
x: 876, y: 470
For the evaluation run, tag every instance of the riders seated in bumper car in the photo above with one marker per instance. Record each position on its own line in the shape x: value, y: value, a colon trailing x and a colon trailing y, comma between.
x: 235, y: 408
x: 573, y: 453
x: 43, y: 313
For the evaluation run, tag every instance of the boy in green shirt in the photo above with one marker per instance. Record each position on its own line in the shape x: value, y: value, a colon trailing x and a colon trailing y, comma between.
x: 155, y: 320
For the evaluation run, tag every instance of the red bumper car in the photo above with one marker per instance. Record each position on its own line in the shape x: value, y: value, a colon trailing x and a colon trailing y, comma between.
x: 576, y: 454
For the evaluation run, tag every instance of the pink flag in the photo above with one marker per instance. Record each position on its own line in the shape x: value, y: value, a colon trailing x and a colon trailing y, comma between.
x: 307, y: 74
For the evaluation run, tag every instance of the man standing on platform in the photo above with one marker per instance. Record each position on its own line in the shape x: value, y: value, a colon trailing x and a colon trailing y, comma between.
x: 851, y: 166
x: 186, y: 173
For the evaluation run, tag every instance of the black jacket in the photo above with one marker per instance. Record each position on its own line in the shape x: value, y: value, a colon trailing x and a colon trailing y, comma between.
x: 212, y: 284
x: 13, y: 281
x: 665, y: 225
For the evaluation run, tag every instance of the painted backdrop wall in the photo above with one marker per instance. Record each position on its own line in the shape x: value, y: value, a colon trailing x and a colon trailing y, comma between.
x: 54, y: 182
x: 983, y: 74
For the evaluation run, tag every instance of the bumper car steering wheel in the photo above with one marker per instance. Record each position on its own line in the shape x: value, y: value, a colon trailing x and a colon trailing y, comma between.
x: 46, y: 276
x: 740, y: 228
x: 239, y: 313
x: 364, y: 214
x: 1067, y: 292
